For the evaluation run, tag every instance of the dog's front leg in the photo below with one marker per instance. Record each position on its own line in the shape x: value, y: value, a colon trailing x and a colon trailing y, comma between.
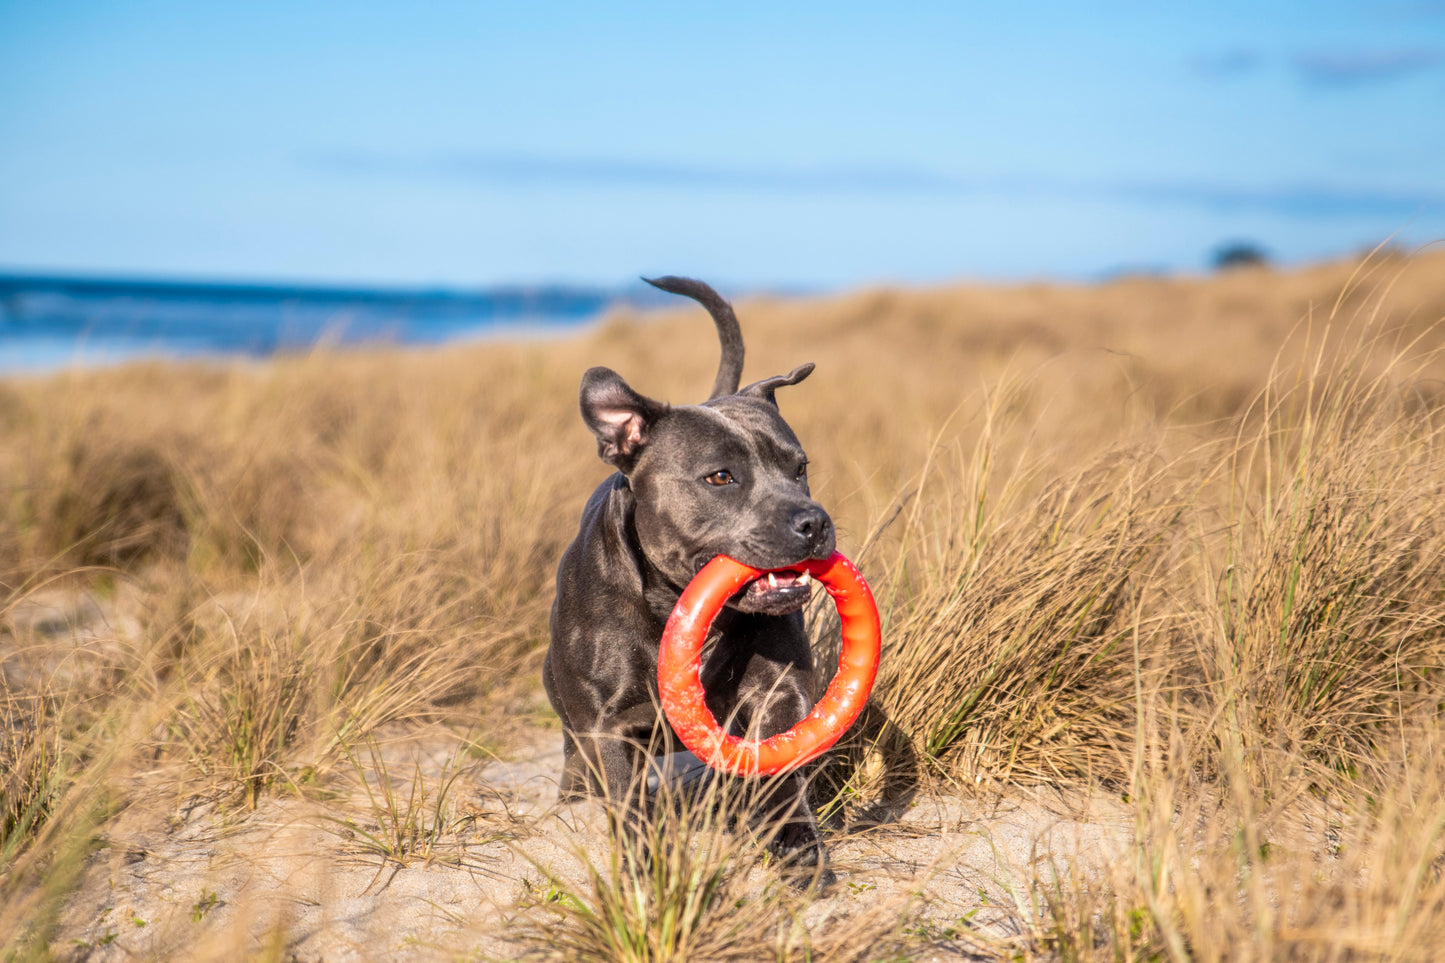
x: 784, y: 809
x: 615, y: 754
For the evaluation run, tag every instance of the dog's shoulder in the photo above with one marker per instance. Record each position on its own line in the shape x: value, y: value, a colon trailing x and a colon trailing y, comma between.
x: 606, y: 520
x: 604, y: 550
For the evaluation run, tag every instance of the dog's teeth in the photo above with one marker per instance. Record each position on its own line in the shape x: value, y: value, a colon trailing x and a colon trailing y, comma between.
x: 804, y: 579
x: 772, y: 580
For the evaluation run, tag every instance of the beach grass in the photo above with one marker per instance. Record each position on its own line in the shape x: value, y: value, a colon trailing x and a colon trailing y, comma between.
x: 1174, y: 543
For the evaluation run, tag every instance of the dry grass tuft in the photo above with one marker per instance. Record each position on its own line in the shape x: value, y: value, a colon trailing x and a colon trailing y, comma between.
x: 1011, y: 622
x: 1331, y: 596
x: 696, y: 886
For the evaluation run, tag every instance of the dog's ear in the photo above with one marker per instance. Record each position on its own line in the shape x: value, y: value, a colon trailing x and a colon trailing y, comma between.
x: 621, y: 418
x: 764, y: 389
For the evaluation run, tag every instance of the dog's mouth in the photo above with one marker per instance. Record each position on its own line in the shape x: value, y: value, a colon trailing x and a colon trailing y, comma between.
x: 776, y: 593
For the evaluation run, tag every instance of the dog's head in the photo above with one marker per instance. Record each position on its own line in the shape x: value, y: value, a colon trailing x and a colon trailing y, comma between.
x: 725, y: 477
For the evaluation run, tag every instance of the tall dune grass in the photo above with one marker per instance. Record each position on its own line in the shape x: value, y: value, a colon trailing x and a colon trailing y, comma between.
x: 1178, y: 540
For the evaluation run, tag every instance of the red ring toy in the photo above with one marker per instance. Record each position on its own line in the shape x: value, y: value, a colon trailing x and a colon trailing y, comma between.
x: 679, y: 665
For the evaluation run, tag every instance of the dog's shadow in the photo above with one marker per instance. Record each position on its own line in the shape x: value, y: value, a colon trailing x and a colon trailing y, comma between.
x: 892, y: 787
x: 896, y: 785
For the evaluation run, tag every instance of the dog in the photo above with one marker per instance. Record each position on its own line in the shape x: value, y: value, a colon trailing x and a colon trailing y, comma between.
x: 729, y: 477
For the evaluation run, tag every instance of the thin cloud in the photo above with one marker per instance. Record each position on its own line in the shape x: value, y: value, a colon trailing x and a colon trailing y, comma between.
x: 1227, y: 65
x: 526, y: 169
x: 1418, y: 10
x: 1353, y: 68
x: 1300, y: 202
x: 600, y: 173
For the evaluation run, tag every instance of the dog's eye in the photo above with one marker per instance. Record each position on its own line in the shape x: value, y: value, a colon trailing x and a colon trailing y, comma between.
x: 802, y: 471
x: 723, y: 477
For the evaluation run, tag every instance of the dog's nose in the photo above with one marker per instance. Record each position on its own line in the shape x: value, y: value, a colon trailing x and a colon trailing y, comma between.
x: 815, y: 528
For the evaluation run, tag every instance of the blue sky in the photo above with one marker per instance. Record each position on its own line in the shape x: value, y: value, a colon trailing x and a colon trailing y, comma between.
x: 755, y: 144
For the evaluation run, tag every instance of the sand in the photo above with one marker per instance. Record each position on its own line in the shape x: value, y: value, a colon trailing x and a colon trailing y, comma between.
x: 180, y: 877
x: 199, y: 879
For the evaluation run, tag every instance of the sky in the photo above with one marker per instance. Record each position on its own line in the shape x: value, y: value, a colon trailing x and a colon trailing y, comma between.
x: 797, y: 145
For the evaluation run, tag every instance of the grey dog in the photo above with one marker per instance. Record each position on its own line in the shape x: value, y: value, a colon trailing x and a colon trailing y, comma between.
x: 727, y: 476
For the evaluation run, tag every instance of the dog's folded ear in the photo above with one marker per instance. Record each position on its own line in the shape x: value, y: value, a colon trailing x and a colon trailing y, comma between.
x: 621, y: 418
x: 764, y: 389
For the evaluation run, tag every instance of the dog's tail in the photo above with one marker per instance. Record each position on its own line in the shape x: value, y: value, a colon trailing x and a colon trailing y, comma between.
x: 730, y: 367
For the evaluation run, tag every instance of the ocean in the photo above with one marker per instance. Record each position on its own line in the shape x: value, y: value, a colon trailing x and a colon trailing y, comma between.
x: 50, y: 323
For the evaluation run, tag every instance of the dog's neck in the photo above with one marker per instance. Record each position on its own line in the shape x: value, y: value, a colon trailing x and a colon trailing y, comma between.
x: 660, y: 593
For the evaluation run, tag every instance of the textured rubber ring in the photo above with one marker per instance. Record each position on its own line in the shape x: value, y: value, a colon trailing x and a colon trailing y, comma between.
x: 679, y: 666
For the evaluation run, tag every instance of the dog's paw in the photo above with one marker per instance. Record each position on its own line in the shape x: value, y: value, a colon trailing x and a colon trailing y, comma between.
x: 802, y: 859
x: 818, y: 881
x: 809, y: 876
